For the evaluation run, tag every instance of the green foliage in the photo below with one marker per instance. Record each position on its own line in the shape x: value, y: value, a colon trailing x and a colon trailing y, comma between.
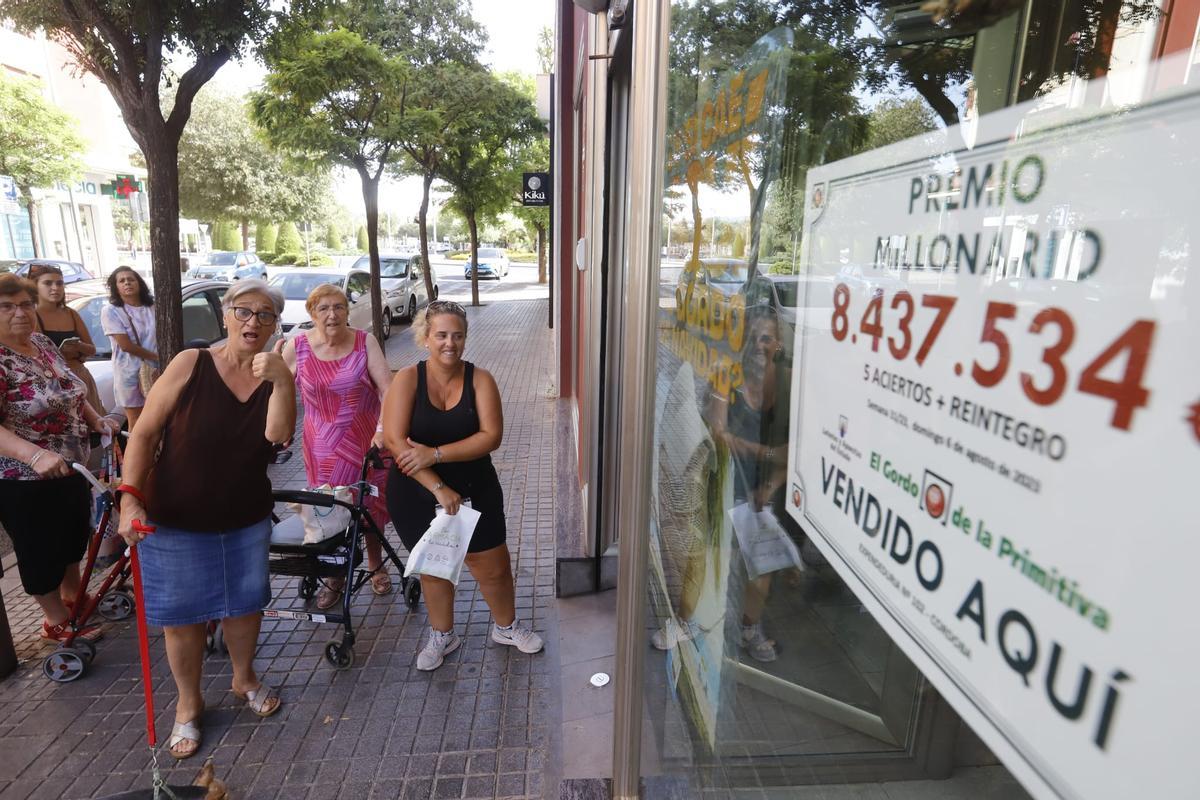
x: 289, y: 239
x: 231, y: 237
x: 739, y: 245
x: 524, y: 256
x: 894, y: 120
x: 545, y: 50
x: 39, y: 144
x: 360, y: 239
x: 333, y: 236
x: 288, y: 259
x: 265, y: 236
x: 320, y: 260
x: 461, y: 256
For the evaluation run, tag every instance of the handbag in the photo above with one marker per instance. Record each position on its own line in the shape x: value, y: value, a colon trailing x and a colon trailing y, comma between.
x: 322, y: 523
x: 147, y: 374
x: 443, y: 547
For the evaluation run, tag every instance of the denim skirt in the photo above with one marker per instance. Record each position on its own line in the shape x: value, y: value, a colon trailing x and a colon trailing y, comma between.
x: 194, y: 576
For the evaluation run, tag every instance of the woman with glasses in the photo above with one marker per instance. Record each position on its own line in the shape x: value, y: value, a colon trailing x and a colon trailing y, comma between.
x: 442, y: 419
x: 342, y: 375
x: 63, y: 326
x: 45, y: 423
x: 128, y: 322
x: 196, y: 470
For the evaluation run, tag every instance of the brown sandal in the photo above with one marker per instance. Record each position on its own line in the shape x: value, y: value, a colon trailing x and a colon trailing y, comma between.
x: 381, y: 582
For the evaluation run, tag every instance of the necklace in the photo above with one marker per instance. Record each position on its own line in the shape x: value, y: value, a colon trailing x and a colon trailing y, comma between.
x: 38, y: 359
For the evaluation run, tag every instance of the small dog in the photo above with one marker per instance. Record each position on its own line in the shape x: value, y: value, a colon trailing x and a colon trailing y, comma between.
x: 208, y: 779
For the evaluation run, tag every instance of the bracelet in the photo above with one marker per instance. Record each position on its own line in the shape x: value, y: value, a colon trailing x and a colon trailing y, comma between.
x: 437, y: 455
x: 437, y: 486
x: 125, y: 488
x: 35, y: 458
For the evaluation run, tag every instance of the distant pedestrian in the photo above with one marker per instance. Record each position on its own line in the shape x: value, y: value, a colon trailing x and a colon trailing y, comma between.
x: 342, y: 375
x: 216, y: 415
x: 442, y: 418
x: 128, y: 321
x: 63, y: 325
x: 45, y: 423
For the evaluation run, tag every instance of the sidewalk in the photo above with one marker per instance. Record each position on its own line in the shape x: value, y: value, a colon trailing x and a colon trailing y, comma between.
x: 486, y: 724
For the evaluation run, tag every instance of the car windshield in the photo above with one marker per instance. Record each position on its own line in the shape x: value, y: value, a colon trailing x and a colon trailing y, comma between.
x: 787, y: 292
x: 298, y: 285
x: 222, y: 260
x: 392, y: 267
x: 490, y: 252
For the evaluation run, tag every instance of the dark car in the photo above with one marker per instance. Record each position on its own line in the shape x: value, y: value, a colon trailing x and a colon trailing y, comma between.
x: 72, y: 271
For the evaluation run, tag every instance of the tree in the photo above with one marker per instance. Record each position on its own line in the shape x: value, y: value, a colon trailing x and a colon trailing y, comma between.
x: 479, y: 151
x: 545, y: 50
x: 360, y: 240
x: 339, y: 97
x: 39, y: 144
x: 126, y: 43
x: 230, y: 239
x: 288, y: 240
x: 227, y: 171
x: 265, y: 236
x: 333, y: 236
x: 534, y: 157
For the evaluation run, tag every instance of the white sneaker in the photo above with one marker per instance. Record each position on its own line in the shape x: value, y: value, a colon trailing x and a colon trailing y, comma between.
x: 671, y: 634
x: 436, y: 649
x: 523, y: 639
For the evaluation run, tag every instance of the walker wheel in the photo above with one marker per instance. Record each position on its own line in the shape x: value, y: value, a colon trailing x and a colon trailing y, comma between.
x: 85, y: 648
x: 116, y: 605
x: 64, y: 665
x: 308, y: 587
x: 340, y: 655
x: 412, y: 593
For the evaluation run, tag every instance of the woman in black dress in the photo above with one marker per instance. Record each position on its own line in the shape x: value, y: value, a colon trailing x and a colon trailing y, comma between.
x: 442, y: 418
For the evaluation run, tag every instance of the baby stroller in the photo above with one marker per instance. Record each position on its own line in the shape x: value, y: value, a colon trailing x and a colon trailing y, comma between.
x: 339, y: 556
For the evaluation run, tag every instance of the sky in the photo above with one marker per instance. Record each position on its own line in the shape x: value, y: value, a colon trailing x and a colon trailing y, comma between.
x: 512, y: 27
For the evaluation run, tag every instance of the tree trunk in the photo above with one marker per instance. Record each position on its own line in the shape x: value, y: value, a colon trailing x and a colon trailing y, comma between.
x: 34, y: 228
x: 474, y: 257
x: 245, y: 234
x: 423, y: 232
x: 162, y: 164
x: 370, y: 192
x: 541, y: 246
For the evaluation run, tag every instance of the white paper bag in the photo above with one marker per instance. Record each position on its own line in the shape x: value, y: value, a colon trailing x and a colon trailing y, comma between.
x: 765, y: 545
x: 443, y: 547
x: 322, y: 523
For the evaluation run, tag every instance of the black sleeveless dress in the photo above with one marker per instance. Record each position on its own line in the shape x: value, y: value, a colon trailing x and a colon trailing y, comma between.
x: 411, y: 505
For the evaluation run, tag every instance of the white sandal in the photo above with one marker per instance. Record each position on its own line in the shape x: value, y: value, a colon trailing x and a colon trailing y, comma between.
x: 258, y: 699
x: 184, y: 732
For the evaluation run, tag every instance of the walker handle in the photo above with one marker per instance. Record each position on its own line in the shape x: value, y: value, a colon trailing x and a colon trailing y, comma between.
x: 141, y: 527
x: 87, y: 474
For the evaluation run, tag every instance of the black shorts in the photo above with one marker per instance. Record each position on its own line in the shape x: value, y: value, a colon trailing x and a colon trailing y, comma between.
x: 49, y: 522
x: 412, y: 507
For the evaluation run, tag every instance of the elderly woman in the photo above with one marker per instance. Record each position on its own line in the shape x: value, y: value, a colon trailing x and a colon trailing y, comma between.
x: 216, y: 415
x: 342, y: 375
x: 128, y: 321
x: 63, y: 326
x: 45, y: 421
x: 442, y: 419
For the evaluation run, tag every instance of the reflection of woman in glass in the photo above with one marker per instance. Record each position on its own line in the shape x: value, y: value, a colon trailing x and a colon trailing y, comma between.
x: 753, y: 425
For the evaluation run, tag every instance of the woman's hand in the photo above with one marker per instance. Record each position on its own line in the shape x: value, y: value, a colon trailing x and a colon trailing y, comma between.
x: 131, y: 510
x: 70, y: 351
x: 448, y: 499
x: 416, y: 458
x: 271, y: 367
x: 48, y: 464
x: 377, y: 441
x: 106, y: 425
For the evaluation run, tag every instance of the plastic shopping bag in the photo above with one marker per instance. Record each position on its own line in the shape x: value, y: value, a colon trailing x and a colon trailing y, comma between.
x: 765, y: 545
x: 443, y: 547
x: 322, y: 523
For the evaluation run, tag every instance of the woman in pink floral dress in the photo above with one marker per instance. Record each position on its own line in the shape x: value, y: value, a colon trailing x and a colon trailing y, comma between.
x: 342, y: 375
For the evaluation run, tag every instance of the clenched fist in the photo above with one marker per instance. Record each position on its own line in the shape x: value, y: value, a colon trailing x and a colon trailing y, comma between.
x: 271, y: 367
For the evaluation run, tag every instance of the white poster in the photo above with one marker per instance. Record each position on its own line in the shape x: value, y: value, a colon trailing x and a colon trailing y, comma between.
x: 996, y: 438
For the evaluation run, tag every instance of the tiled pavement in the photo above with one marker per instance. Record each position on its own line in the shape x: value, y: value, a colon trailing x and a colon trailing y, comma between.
x: 486, y: 724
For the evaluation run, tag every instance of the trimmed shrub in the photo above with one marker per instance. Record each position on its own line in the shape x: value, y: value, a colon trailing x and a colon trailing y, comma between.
x: 522, y: 255
x: 265, y: 234
x: 287, y: 259
x: 231, y: 236
x: 319, y: 260
x: 333, y: 237
x: 361, y: 239
x: 289, y: 240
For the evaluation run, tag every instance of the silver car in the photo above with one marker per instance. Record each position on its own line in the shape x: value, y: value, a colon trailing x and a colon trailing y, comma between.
x: 230, y: 267
x: 402, y: 281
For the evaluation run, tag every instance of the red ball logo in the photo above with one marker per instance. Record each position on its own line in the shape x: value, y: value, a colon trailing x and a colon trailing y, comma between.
x: 935, y: 500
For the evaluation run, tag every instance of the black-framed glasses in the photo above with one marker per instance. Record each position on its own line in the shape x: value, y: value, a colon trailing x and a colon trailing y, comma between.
x: 11, y: 308
x: 243, y: 314
x: 447, y: 305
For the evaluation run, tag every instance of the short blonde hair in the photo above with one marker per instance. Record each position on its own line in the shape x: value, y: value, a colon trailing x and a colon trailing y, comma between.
x: 324, y: 290
x: 420, y: 325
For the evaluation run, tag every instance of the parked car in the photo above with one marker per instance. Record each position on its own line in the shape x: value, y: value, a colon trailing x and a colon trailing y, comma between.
x: 400, y: 294
x: 230, y: 266
x: 402, y: 281
x: 493, y: 263
x: 203, y: 324
x: 72, y: 271
x: 297, y: 283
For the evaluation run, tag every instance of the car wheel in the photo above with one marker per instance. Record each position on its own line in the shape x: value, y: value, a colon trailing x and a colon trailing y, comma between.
x: 412, y: 308
x: 387, y: 323
x: 435, y: 292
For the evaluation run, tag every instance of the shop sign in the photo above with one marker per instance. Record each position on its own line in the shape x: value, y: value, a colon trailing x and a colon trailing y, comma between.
x: 997, y: 440
x: 535, y: 189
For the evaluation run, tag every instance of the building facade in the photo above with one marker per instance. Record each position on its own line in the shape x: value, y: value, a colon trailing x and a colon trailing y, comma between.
x: 874, y: 326
x: 90, y: 220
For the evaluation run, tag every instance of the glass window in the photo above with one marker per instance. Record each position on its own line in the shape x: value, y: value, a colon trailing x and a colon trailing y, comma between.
x: 298, y: 285
x: 89, y: 312
x: 893, y: 235
x: 200, y: 322
x: 393, y: 267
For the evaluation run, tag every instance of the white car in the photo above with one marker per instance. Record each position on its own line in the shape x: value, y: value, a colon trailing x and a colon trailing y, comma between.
x: 203, y: 324
x: 493, y: 263
x: 402, y: 281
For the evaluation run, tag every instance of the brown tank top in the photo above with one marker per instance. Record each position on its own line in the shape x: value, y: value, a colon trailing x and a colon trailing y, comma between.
x: 211, y: 474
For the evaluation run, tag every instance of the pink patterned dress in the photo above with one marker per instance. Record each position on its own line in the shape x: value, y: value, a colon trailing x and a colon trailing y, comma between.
x: 341, y: 410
